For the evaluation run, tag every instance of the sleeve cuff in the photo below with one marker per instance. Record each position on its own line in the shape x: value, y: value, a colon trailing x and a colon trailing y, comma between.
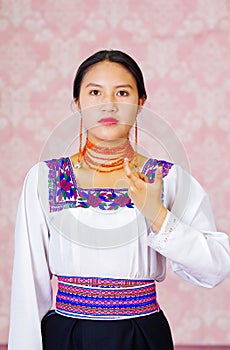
x: 159, y: 241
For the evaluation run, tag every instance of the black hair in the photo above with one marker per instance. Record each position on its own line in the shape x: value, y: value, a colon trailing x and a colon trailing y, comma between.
x: 112, y: 56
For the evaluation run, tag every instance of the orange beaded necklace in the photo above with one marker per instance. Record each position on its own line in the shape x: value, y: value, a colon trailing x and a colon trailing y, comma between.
x: 106, y: 159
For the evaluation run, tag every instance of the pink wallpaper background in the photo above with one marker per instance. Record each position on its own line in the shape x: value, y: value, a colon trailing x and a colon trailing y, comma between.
x: 183, y: 48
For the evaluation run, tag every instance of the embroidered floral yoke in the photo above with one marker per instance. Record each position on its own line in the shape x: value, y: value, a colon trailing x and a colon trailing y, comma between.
x: 64, y: 191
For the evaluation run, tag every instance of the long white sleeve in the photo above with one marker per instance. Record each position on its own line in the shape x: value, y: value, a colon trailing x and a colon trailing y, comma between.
x: 31, y: 294
x: 188, y: 235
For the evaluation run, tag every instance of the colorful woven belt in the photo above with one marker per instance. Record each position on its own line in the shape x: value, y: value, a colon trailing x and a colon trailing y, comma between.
x: 105, y: 298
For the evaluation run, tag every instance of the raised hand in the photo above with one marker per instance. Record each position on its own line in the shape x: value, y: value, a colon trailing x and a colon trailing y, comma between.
x: 146, y: 196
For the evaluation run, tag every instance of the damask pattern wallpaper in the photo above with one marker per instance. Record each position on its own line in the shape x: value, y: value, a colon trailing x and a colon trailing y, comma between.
x: 183, y: 48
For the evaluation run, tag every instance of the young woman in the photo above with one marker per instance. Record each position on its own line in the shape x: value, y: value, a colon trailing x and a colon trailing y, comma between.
x: 104, y: 221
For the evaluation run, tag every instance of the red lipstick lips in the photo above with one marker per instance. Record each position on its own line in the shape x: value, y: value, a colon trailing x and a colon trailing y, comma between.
x: 108, y: 121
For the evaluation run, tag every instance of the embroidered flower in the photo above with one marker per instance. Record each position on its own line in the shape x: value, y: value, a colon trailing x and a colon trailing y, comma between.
x: 94, y: 201
x: 66, y: 186
x: 122, y: 200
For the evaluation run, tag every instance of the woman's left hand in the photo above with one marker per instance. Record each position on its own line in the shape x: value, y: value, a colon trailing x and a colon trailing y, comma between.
x: 146, y: 196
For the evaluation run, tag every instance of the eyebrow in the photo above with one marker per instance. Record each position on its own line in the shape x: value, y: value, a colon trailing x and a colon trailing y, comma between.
x: 117, y: 86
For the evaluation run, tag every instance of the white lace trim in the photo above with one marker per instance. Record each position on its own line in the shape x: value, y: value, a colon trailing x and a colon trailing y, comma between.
x: 159, y: 240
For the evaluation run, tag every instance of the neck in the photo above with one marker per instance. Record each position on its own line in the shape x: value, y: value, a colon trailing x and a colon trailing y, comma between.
x: 106, y: 143
x: 107, y: 156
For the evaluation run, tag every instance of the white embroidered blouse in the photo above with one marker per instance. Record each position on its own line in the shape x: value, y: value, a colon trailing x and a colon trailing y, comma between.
x: 62, y: 229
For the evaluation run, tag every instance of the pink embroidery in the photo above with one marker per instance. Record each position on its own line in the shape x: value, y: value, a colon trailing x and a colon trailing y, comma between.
x: 65, y: 193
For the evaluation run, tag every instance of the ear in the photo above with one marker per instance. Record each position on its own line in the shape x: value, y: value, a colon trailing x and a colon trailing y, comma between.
x: 77, y: 103
x: 141, y: 103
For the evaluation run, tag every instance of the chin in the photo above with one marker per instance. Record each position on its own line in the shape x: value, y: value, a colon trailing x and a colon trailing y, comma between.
x: 109, y: 133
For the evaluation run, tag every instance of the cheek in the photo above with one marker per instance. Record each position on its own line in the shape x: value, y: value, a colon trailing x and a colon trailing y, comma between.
x: 86, y: 101
x: 88, y: 121
x: 89, y: 115
x: 129, y: 113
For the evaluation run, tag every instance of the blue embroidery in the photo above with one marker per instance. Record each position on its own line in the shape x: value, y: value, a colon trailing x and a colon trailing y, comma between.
x: 65, y: 193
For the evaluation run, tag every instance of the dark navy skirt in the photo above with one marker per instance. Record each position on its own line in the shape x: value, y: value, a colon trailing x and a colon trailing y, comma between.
x: 150, y: 332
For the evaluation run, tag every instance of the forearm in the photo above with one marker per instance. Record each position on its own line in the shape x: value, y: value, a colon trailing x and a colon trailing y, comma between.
x: 158, y: 221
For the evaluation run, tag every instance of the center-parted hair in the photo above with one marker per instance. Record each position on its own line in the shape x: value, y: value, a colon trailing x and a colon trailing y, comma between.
x: 112, y: 56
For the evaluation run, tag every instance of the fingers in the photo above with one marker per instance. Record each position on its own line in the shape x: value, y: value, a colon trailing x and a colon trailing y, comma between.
x: 127, y: 167
x: 142, y: 177
x: 158, y: 174
x: 136, y: 179
x: 137, y: 175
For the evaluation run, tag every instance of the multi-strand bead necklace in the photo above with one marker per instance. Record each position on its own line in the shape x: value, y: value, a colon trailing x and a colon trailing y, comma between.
x: 106, y: 159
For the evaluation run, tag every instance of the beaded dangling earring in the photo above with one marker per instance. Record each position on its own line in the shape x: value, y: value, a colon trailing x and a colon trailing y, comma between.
x: 136, y: 168
x: 77, y: 165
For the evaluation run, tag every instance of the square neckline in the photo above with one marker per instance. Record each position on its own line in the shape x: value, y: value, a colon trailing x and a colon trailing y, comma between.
x: 112, y: 189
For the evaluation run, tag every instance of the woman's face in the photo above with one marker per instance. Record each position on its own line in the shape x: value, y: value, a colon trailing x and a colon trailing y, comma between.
x: 108, y: 101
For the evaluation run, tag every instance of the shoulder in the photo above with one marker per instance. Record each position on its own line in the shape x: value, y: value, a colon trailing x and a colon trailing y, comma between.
x: 59, y: 170
x: 56, y: 163
x: 151, y: 164
x: 44, y: 164
x: 46, y: 168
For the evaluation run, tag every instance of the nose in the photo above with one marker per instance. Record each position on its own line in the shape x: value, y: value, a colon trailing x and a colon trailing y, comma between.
x: 109, y: 105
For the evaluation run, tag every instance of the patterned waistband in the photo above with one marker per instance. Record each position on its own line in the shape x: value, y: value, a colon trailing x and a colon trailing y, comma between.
x: 105, y: 298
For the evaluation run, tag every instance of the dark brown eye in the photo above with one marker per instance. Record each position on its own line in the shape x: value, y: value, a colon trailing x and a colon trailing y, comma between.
x: 95, y: 92
x: 122, y: 93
